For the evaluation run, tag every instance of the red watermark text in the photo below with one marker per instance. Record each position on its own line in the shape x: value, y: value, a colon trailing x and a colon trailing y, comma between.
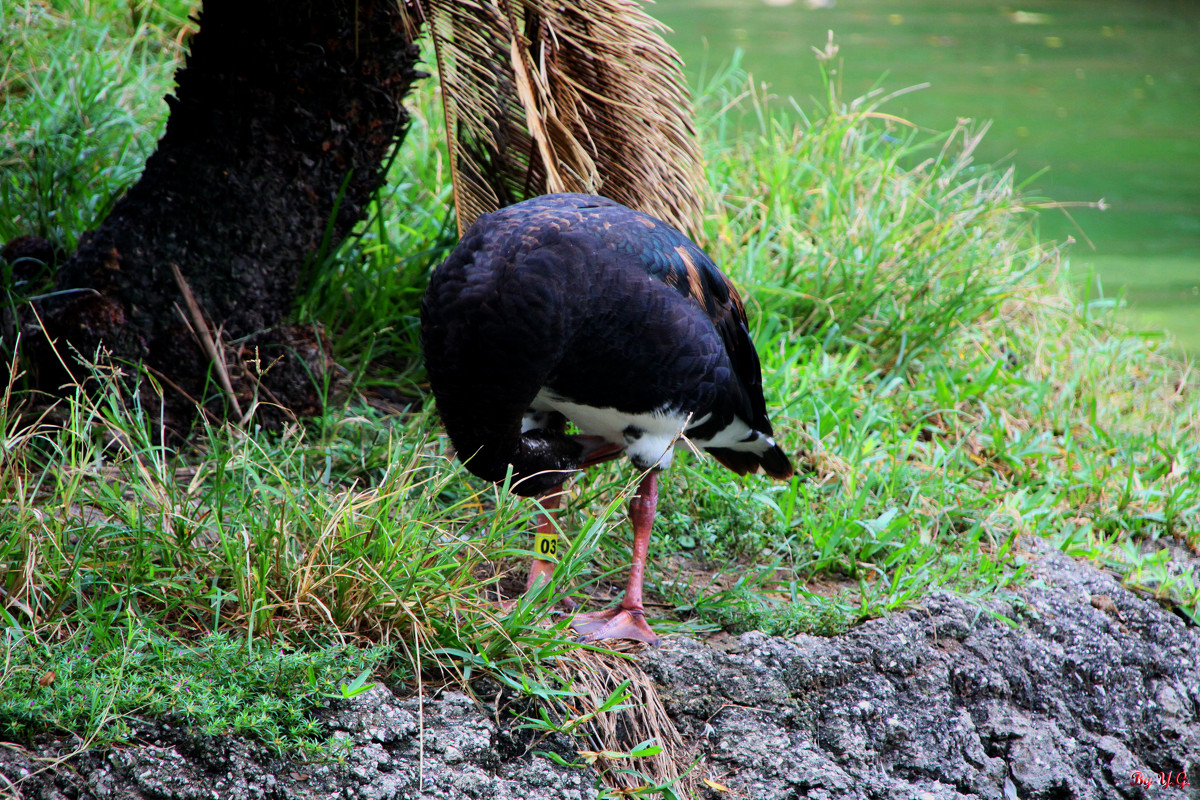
x: 1164, y: 779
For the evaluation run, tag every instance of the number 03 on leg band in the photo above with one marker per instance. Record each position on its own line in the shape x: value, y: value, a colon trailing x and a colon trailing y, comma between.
x: 546, y: 546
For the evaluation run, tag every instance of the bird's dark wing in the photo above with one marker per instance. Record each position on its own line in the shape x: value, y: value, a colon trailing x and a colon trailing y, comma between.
x: 488, y: 349
x: 675, y: 260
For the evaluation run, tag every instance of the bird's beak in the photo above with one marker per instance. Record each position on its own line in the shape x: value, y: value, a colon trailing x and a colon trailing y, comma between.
x: 597, y: 450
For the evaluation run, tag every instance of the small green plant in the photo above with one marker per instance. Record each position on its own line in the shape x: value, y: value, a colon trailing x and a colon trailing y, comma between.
x: 1152, y: 570
x: 643, y: 785
x: 353, y: 688
x: 99, y: 683
x: 740, y: 609
x: 544, y: 723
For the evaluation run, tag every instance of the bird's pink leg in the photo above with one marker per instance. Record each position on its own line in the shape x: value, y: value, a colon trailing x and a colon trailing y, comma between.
x: 541, y: 570
x: 628, y: 620
x: 596, y: 450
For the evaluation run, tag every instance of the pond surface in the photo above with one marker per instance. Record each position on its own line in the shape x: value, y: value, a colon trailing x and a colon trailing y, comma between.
x: 1104, y: 96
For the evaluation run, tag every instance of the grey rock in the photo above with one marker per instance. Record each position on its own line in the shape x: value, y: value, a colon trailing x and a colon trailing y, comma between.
x: 388, y: 759
x: 1067, y: 691
x: 952, y: 700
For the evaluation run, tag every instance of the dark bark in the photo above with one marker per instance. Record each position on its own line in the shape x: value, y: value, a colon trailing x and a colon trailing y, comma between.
x: 284, y: 114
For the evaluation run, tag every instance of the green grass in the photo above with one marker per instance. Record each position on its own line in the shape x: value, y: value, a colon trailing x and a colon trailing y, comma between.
x: 81, y: 94
x: 946, y: 392
x: 99, y: 686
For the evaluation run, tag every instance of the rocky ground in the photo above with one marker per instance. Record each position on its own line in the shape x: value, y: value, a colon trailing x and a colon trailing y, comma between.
x: 1081, y: 689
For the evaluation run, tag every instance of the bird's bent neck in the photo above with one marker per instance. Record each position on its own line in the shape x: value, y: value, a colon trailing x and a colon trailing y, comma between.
x: 540, y: 460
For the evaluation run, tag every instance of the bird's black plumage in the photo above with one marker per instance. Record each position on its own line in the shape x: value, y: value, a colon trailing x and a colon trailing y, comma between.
x: 575, y: 302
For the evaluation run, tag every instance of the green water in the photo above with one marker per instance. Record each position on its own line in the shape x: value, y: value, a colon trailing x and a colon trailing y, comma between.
x: 1103, y: 96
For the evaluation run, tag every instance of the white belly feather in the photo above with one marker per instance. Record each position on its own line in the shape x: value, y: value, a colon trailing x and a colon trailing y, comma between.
x: 650, y: 438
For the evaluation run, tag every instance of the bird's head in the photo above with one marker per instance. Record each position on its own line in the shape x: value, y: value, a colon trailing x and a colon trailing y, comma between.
x: 543, y: 460
x: 540, y: 460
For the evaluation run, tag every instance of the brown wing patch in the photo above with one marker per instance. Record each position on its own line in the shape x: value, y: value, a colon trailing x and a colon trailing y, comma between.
x: 736, y: 299
x: 695, y: 283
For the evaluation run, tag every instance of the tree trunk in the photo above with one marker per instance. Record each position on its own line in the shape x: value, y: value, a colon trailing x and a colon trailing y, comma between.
x: 282, y: 119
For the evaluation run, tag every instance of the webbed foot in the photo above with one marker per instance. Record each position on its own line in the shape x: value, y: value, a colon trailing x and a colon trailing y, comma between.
x: 614, y: 623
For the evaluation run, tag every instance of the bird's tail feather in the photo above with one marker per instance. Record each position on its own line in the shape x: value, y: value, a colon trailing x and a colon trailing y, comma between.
x: 774, y: 461
x: 776, y: 464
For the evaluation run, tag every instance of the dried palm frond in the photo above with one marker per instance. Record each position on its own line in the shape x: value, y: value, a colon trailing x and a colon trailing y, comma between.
x: 594, y: 675
x: 546, y: 96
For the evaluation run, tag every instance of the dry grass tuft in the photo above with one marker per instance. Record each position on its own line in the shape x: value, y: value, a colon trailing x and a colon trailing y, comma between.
x: 596, y: 675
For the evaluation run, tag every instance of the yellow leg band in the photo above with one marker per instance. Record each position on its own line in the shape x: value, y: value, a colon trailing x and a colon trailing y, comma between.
x: 546, y: 546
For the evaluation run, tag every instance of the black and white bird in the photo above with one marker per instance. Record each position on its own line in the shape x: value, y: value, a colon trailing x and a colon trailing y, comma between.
x: 570, y: 307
